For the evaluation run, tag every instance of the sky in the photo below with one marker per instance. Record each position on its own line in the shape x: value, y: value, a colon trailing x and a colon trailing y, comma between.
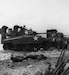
x: 39, y: 15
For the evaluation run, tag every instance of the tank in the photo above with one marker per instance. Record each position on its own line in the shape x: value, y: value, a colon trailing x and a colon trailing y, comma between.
x: 23, y: 39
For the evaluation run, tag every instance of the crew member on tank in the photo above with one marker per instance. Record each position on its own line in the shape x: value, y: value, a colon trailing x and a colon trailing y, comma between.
x: 15, y: 31
x: 23, y: 29
x: 3, y: 32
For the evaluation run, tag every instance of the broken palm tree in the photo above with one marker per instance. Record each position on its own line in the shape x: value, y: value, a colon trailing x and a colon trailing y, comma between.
x: 59, y: 67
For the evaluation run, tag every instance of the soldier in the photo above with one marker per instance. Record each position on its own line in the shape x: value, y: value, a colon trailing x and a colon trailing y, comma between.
x: 9, y: 33
x: 15, y: 31
x: 65, y: 45
x: 3, y: 33
x: 23, y: 29
x: 30, y: 31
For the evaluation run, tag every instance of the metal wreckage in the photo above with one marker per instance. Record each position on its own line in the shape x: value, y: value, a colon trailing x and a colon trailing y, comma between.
x: 22, y: 39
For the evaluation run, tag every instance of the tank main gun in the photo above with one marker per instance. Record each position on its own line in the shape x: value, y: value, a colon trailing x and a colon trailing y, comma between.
x: 35, y: 33
x: 41, y: 33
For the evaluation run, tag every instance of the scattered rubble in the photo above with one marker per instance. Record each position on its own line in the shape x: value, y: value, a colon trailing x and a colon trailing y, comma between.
x: 26, y: 65
x: 5, y: 56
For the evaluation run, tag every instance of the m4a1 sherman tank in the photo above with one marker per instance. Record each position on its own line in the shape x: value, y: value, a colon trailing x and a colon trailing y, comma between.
x: 22, y: 39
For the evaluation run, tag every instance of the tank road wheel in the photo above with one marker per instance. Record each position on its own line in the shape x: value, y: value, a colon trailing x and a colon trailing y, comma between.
x: 19, y: 47
x: 14, y: 47
x: 24, y: 48
x: 30, y: 48
x: 6, y: 46
x: 40, y: 47
x: 35, y: 49
x: 11, y: 46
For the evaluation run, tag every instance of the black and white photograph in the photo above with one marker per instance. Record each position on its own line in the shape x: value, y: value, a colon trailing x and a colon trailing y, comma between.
x: 34, y: 37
